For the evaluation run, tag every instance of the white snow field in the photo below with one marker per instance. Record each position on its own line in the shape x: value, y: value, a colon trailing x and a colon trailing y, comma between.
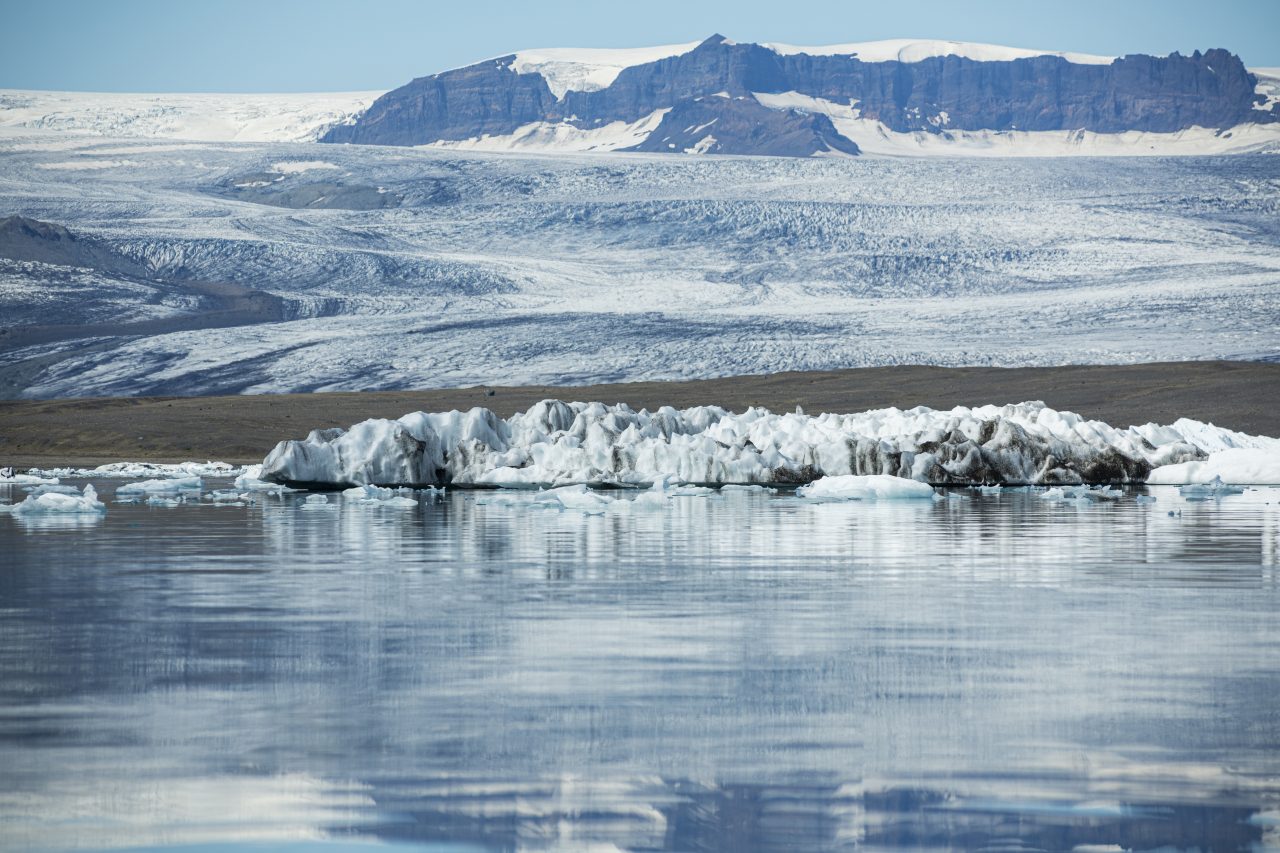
x: 192, y: 116
x: 868, y: 455
x: 376, y: 268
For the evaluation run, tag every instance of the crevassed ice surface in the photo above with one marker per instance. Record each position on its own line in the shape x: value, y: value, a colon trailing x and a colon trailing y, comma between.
x: 733, y: 671
x: 409, y: 268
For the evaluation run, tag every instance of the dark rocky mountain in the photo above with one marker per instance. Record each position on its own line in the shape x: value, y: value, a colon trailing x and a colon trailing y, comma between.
x: 936, y: 94
x: 718, y: 125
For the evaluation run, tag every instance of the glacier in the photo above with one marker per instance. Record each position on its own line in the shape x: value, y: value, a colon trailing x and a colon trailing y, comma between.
x: 248, y: 268
x: 556, y: 443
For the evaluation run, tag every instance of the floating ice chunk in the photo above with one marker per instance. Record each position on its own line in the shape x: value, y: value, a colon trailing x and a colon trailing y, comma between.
x: 11, y: 479
x: 1246, y: 466
x: 158, y: 500
x: 868, y: 487
x: 132, y: 470
x: 395, y: 502
x: 1145, y: 499
x: 162, y: 487
x: 989, y: 490
x: 51, y: 489
x: 1053, y: 494
x: 1215, y: 488
x: 1101, y: 493
x: 378, y: 496
x: 687, y: 491
x: 57, y: 502
x: 360, y: 493
x: 731, y: 488
x: 579, y: 498
x: 317, y: 502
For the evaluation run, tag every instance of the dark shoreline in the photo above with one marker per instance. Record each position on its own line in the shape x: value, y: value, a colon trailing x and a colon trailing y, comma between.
x: 1243, y: 396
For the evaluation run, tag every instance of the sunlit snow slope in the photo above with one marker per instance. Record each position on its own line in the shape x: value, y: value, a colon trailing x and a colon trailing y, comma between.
x: 220, y: 118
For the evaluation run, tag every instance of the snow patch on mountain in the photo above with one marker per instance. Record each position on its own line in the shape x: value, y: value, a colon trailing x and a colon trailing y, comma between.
x: 1268, y: 88
x: 918, y: 50
x: 588, y: 69
x: 562, y: 137
x: 873, y: 137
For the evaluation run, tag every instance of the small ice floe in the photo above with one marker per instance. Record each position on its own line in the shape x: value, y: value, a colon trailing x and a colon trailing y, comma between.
x: 1081, y: 495
x: 756, y: 489
x: 51, y: 489
x: 317, y: 503
x: 687, y: 491
x: 579, y: 498
x: 173, y: 486
x: 158, y: 500
x: 989, y: 490
x: 1145, y: 499
x: 133, y: 470
x: 228, y: 497
x: 57, y: 502
x: 378, y: 496
x: 867, y: 487
x: 9, y: 478
x: 250, y: 480
x: 1215, y: 488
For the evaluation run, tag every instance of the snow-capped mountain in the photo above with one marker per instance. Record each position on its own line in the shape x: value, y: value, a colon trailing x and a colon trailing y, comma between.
x: 721, y: 97
x: 897, y: 98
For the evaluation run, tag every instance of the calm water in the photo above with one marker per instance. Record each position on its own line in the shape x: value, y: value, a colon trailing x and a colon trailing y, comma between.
x: 734, y: 673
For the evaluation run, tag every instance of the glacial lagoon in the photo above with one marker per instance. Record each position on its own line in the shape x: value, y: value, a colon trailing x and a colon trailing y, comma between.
x: 731, y: 671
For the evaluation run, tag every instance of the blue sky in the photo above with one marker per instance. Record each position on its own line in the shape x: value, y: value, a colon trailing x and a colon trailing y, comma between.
x: 326, y: 45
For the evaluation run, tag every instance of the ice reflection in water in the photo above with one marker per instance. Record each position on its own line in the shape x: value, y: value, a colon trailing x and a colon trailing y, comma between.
x: 730, y: 673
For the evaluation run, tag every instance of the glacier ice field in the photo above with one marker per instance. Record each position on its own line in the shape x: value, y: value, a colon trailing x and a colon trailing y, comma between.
x: 196, y: 267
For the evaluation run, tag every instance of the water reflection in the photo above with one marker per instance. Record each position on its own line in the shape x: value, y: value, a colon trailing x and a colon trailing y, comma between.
x: 733, y: 673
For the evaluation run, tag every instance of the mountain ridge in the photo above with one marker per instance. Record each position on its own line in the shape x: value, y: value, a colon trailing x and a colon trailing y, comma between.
x: 904, y: 86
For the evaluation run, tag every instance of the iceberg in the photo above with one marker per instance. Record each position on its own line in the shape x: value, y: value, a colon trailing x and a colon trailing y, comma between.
x: 57, y: 502
x: 556, y: 444
x: 846, y: 487
x: 1244, y: 466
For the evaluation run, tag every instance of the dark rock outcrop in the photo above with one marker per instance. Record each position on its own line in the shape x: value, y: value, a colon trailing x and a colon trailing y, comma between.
x: 742, y: 125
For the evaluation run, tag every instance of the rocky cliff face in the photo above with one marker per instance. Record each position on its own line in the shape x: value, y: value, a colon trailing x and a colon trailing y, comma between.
x: 936, y: 94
